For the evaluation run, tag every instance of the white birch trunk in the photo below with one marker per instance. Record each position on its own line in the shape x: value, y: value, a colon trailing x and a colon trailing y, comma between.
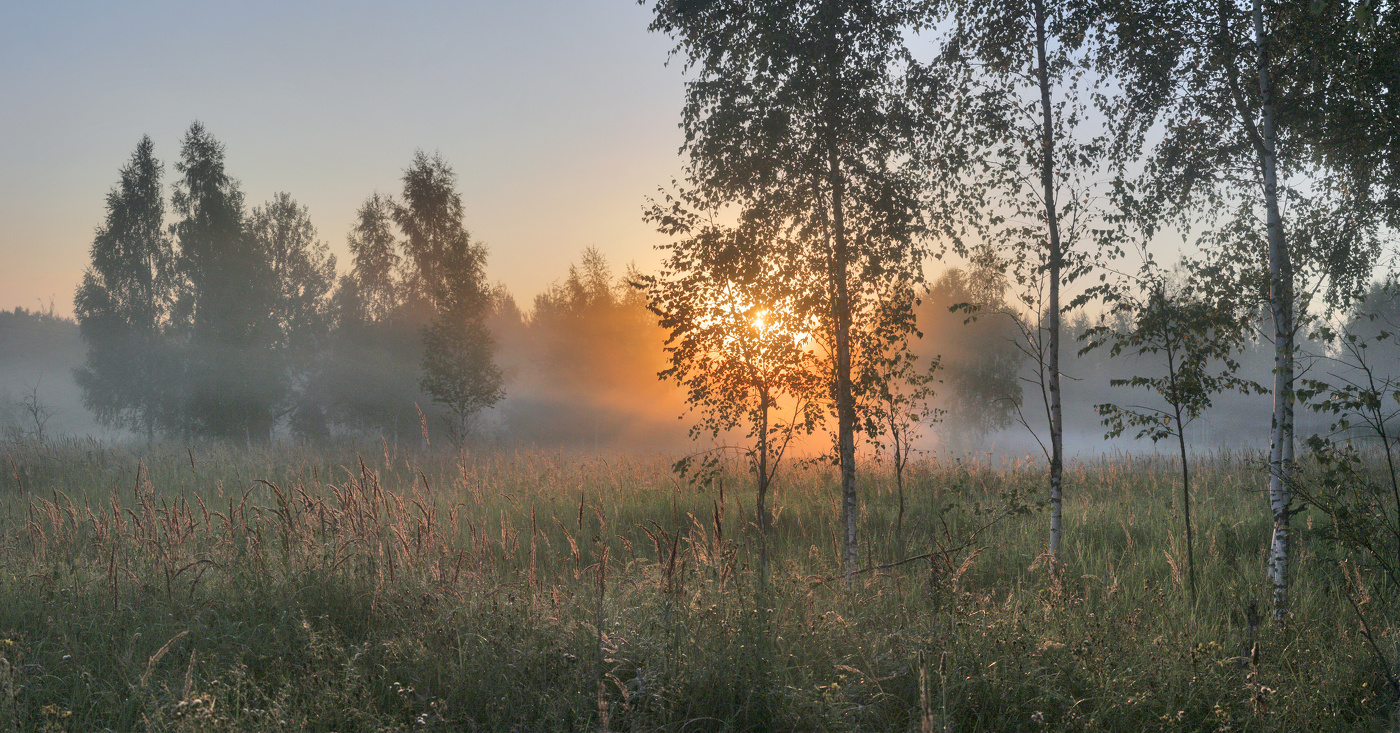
x: 1281, y: 308
x: 1052, y: 308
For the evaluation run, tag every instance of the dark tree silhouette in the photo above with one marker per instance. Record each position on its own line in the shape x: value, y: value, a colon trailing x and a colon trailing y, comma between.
x: 430, y: 217
x: 445, y: 274
x: 370, y: 380
x: 233, y: 385
x: 123, y: 304
x: 376, y: 258
x: 894, y: 387
x: 303, y: 271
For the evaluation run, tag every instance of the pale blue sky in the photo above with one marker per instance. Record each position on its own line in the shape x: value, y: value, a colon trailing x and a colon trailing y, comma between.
x: 559, y: 117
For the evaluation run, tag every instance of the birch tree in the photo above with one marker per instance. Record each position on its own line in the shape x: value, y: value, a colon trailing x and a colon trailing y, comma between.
x: 445, y: 275
x: 375, y: 258
x: 1230, y: 148
x: 1037, y: 161
x: 895, y: 388
x: 742, y: 305
x: 794, y: 114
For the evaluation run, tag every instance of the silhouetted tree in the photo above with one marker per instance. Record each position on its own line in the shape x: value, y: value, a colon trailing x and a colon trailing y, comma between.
x: 1358, y: 387
x: 36, y: 410
x: 374, y: 250
x: 430, y: 217
x: 233, y: 385
x: 370, y: 381
x: 303, y: 271
x: 123, y: 303
x: 742, y: 306
x: 459, y: 370
x: 570, y: 319
x: 1037, y: 166
x: 795, y: 114
x: 597, y: 348
x: 1342, y: 59
x: 445, y: 275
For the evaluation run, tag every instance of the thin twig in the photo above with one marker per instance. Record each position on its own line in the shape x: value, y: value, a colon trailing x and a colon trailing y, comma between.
x: 1366, y: 631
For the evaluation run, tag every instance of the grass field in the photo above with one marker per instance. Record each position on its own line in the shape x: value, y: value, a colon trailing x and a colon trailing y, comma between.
x: 361, y: 589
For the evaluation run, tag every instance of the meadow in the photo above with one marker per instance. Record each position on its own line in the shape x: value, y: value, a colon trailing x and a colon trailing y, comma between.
x: 368, y: 588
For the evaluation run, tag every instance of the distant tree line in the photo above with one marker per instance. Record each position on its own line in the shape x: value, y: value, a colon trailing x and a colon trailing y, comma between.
x: 229, y: 322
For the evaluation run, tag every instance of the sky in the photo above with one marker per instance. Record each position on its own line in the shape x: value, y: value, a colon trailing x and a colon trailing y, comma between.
x: 560, y: 118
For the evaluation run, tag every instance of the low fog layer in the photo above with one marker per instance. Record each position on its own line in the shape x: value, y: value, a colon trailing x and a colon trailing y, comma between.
x: 204, y: 318
x: 581, y: 364
x: 38, y: 353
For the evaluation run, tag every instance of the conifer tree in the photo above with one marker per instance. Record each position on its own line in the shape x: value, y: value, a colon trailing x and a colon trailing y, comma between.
x: 302, y: 271
x: 232, y: 385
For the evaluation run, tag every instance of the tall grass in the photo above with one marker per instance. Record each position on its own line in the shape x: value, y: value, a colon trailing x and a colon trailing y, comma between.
x: 362, y: 588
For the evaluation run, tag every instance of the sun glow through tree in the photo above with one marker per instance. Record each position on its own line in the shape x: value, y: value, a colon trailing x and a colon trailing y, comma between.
x: 743, y: 308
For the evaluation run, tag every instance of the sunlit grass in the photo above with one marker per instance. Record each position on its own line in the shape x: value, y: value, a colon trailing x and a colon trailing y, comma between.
x: 373, y: 588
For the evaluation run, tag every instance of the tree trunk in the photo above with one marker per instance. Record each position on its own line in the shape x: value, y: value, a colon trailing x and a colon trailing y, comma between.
x: 762, y: 501
x: 1281, y: 308
x: 845, y: 400
x: 899, y: 459
x: 763, y: 462
x: 835, y: 113
x: 1052, y: 308
x: 1186, y: 505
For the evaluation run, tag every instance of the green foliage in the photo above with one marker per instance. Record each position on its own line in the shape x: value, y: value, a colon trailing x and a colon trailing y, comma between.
x: 458, y: 369
x: 1228, y: 87
x: 303, y: 272
x: 1342, y: 57
x: 894, y: 392
x: 232, y: 331
x: 1359, y: 391
x: 1193, y: 336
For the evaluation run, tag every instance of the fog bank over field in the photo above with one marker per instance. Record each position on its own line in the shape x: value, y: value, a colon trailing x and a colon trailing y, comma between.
x: 580, y: 372
x: 38, y: 353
